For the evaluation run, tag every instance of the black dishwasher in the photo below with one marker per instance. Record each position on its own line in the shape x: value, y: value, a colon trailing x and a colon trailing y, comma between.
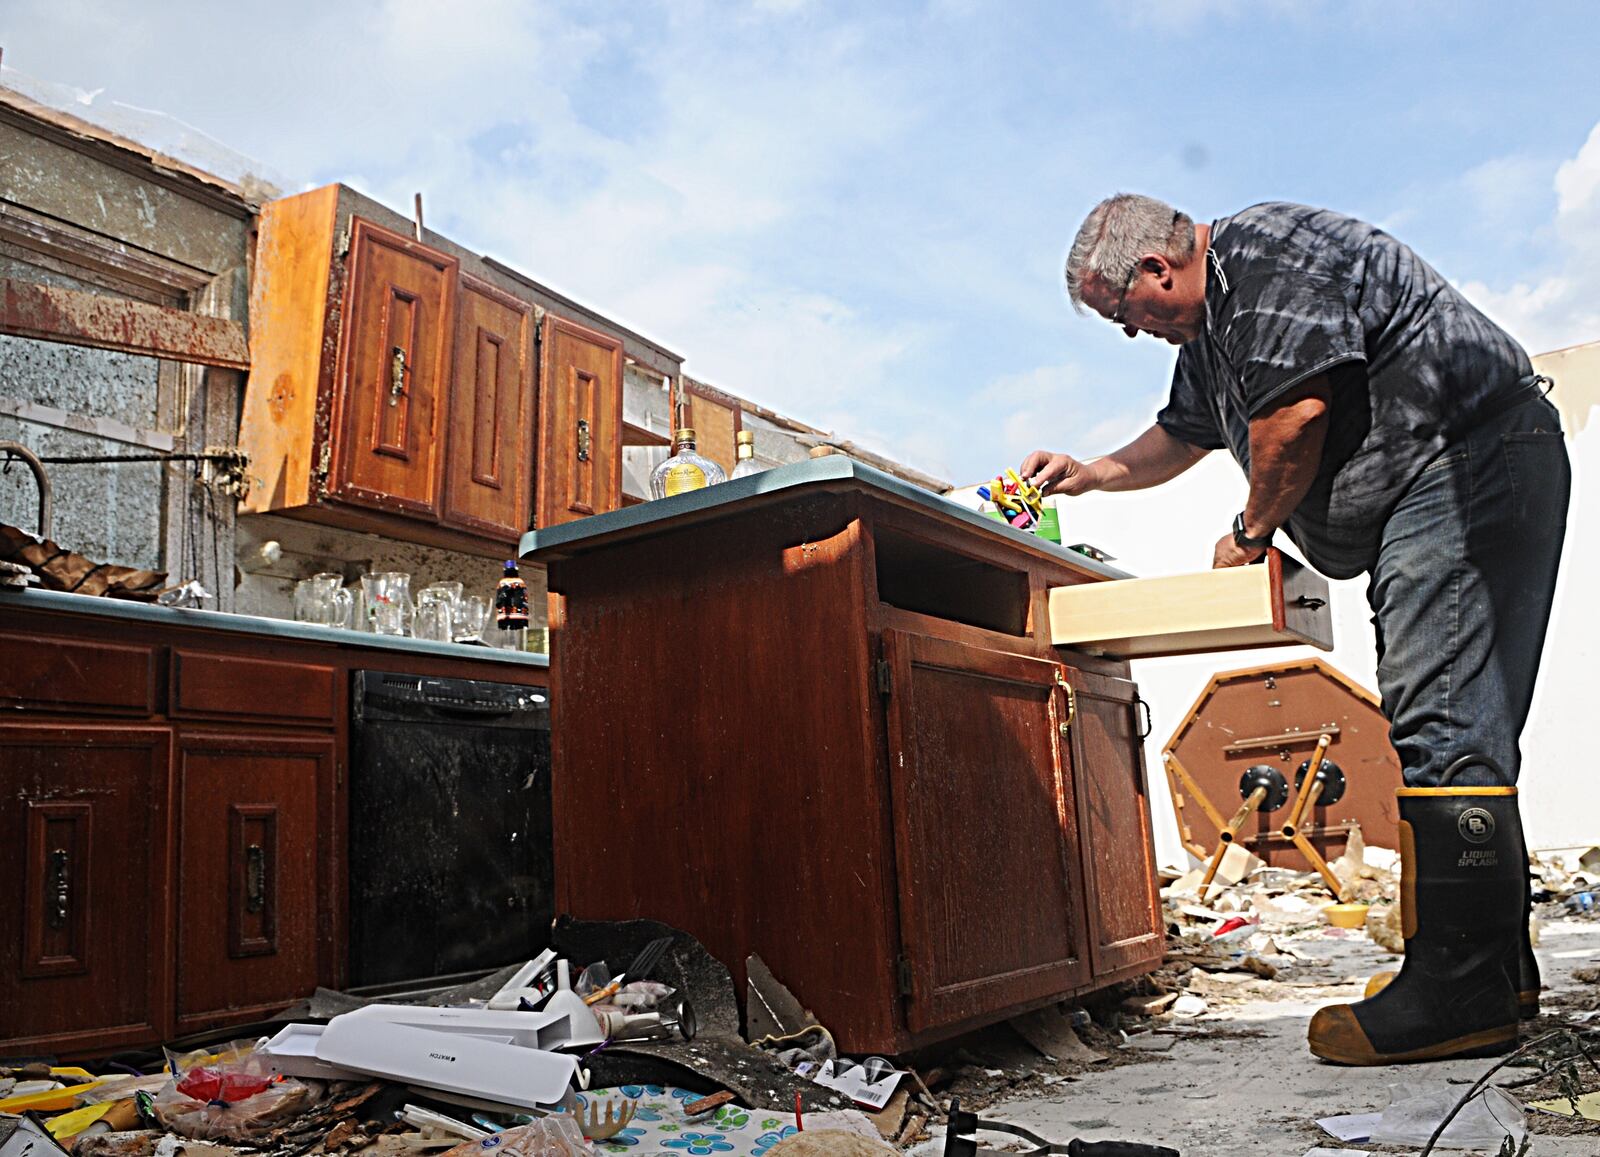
x: 449, y: 852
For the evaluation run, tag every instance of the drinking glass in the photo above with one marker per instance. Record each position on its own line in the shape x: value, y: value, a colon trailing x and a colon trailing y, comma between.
x: 322, y: 599
x: 471, y: 614
x: 388, y: 595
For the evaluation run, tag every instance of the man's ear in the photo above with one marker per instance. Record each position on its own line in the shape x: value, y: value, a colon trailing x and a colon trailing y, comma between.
x: 1157, y: 264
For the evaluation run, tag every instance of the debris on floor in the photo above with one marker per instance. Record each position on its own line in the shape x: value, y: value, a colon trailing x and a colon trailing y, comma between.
x: 626, y: 1038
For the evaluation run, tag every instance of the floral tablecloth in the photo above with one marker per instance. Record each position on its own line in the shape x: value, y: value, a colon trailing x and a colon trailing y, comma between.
x: 660, y: 1127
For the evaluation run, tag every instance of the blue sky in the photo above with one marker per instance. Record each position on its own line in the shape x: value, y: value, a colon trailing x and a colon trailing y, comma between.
x: 856, y: 214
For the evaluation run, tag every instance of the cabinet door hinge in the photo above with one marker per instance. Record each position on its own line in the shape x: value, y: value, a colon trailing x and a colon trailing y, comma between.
x: 538, y: 323
x: 902, y: 967
x: 341, y: 243
x: 885, y: 678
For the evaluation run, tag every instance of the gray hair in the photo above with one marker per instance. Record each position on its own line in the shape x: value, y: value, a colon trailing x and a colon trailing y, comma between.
x: 1119, y: 232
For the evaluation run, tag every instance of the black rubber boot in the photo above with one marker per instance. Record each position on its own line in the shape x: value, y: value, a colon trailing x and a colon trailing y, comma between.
x: 1462, y: 881
x: 1525, y: 968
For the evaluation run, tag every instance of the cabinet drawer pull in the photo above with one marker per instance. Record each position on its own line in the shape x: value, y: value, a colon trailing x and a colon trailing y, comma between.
x: 58, y: 897
x: 255, y: 878
x: 1147, y: 722
x: 583, y: 439
x: 397, y: 375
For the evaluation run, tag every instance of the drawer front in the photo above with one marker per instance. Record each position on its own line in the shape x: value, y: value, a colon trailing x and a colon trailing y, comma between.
x: 46, y: 672
x: 207, y: 686
x: 1276, y: 603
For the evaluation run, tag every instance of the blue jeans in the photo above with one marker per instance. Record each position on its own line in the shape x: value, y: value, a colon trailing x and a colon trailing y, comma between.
x: 1461, y: 594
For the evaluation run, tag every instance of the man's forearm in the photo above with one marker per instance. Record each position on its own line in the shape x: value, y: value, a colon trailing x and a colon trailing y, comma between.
x: 1285, y: 452
x: 1150, y: 459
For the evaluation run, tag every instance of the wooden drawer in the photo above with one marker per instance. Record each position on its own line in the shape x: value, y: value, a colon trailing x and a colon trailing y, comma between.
x: 49, y: 673
x: 209, y: 686
x: 1277, y: 602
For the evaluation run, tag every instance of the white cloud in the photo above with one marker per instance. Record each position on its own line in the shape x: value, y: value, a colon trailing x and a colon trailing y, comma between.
x: 1561, y: 308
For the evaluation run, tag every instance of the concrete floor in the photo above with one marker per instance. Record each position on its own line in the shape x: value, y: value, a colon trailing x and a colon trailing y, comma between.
x: 1242, y: 1096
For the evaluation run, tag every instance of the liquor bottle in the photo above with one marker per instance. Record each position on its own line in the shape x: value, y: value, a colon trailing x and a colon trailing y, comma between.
x: 746, y: 465
x: 511, y: 600
x: 684, y: 470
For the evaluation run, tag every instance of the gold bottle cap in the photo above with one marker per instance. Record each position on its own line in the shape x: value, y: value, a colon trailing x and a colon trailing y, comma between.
x: 747, y: 437
x: 684, y: 435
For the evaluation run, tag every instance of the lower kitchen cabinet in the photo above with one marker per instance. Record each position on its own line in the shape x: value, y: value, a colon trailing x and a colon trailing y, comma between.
x: 986, y: 831
x: 1114, y: 817
x: 83, y: 822
x: 182, y: 867
x: 250, y: 881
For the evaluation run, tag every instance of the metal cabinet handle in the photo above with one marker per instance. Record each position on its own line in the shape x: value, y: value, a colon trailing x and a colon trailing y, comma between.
x: 583, y: 439
x: 255, y: 878
x: 1072, y: 701
x: 1149, y: 721
x: 1310, y: 602
x: 58, y: 890
x: 397, y: 375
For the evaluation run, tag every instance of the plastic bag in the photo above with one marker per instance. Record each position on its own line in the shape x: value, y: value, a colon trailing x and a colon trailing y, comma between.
x: 548, y: 1137
x: 228, y: 1095
x: 1483, y: 1122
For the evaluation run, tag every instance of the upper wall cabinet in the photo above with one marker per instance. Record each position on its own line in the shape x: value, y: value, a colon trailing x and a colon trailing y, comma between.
x: 581, y: 421
x: 393, y: 373
x: 392, y: 391
x: 489, y: 447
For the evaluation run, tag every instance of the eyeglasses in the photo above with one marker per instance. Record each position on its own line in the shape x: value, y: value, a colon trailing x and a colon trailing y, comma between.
x: 1117, y: 317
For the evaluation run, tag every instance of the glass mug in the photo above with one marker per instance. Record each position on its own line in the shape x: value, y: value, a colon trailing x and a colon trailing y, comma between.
x: 322, y: 599
x: 436, y: 611
x: 388, y: 595
x: 472, y: 613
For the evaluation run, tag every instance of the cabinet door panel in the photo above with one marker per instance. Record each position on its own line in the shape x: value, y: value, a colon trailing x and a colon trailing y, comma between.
x: 985, y: 830
x: 580, y: 425
x: 248, y: 881
x: 1114, y: 810
x: 489, y: 457
x: 82, y: 833
x: 394, y: 360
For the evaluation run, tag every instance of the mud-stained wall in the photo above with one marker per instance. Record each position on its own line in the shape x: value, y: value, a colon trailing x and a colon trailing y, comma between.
x: 112, y: 513
x: 85, y: 215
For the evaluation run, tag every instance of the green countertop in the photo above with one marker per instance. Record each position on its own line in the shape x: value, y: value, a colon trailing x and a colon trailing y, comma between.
x: 151, y: 614
x: 834, y: 472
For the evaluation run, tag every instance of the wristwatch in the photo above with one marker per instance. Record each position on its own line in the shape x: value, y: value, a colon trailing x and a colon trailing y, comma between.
x: 1240, y: 538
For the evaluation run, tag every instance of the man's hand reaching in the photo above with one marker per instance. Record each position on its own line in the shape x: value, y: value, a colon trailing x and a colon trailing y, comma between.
x: 1059, y: 473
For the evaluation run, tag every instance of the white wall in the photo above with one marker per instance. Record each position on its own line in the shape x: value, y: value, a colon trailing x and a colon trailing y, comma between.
x: 1173, y: 528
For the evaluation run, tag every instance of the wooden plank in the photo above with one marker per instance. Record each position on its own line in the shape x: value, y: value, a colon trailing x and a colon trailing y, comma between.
x: 30, y: 309
x: 1215, y: 610
x: 289, y: 303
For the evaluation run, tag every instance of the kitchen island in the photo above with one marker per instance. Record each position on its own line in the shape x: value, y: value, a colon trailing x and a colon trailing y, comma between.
x: 816, y: 715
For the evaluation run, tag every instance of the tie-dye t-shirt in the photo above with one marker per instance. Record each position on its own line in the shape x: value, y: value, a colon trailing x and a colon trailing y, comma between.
x: 1293, y: 291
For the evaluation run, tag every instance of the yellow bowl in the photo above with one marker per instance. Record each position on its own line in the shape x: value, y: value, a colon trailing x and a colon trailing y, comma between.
x: 1346, y: 915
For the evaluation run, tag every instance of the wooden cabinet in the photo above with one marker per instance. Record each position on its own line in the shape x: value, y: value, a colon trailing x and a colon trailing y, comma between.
x: 850, y: 748
x: 986, y: 830
x: 392, y: 386
x: 491, y: 432
x: 1114, y: 816
x: 172, y: 824
x: 249, y: 871
x: 393, y: 372
x: 82, y: 832
x: 580, y: 421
